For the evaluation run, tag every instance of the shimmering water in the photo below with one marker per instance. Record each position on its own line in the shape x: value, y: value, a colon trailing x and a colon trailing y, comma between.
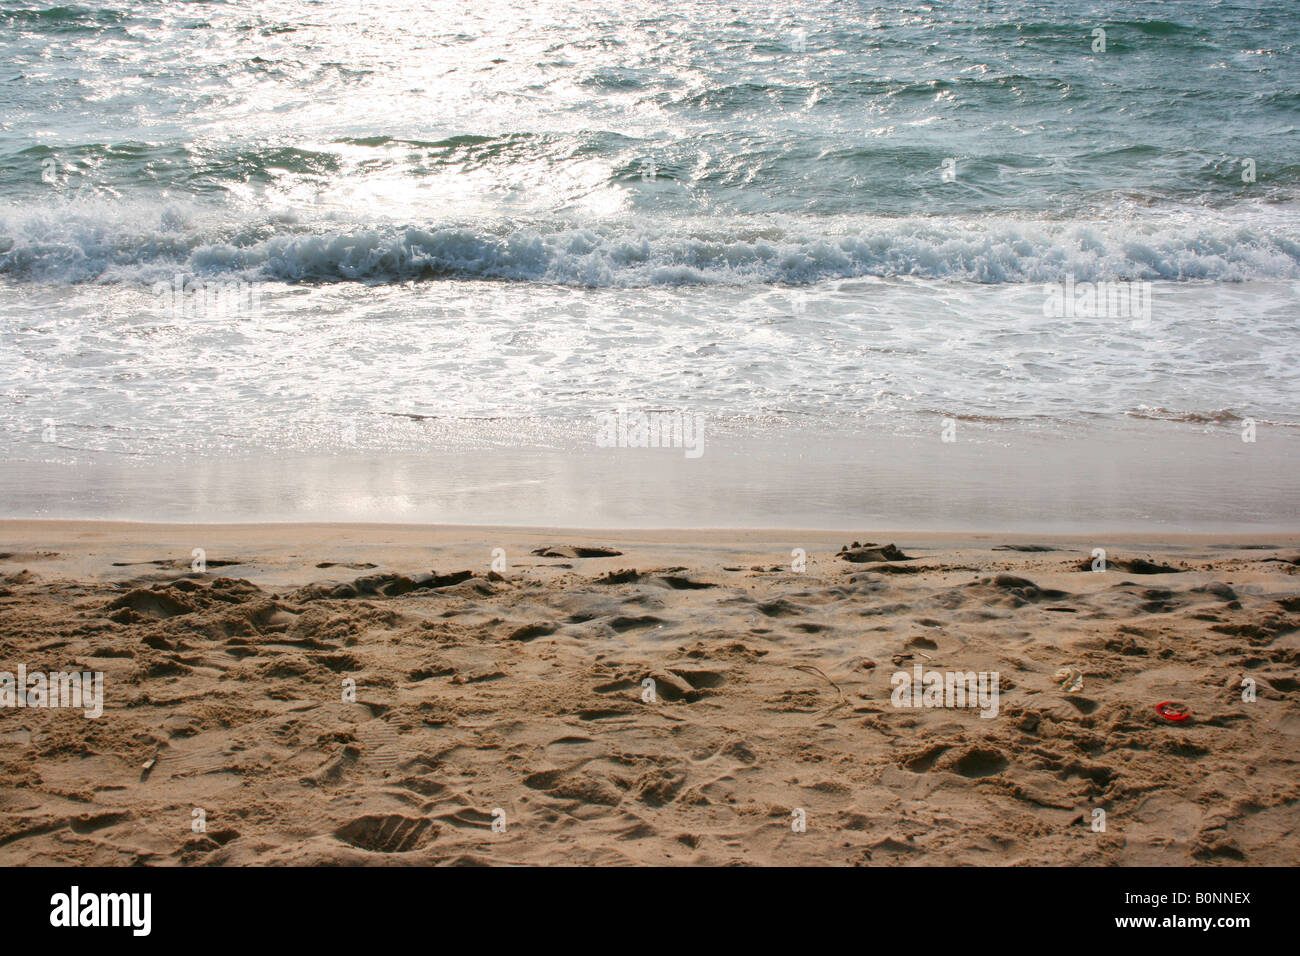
x: 452, y: 228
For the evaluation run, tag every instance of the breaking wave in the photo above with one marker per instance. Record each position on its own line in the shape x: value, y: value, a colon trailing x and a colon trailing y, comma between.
x: 103, y: 243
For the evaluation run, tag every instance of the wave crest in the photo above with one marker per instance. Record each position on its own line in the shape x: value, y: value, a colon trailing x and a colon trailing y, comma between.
x: 105, y: 244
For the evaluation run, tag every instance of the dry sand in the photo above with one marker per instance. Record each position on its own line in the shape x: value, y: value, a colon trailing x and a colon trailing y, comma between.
x: 523, y: 693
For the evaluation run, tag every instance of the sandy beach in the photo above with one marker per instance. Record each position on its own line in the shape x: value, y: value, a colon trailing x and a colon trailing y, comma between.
x: 385, y: 694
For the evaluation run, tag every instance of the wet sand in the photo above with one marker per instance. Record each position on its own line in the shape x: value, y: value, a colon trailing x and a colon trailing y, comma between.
x: 1134, y: 475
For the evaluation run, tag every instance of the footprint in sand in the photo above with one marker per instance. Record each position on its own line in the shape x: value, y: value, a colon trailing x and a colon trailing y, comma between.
x: 388, y: 834
x: 380, y: 745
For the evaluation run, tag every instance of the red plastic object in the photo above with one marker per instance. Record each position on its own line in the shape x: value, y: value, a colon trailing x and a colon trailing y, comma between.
x: 1173, y: 710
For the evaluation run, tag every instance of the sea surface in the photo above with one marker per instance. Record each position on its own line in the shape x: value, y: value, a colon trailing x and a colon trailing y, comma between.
x: 382, y: 260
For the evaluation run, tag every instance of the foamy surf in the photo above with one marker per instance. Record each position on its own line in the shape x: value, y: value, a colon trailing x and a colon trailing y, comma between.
x: 101, y: 242
x: 333, y: 231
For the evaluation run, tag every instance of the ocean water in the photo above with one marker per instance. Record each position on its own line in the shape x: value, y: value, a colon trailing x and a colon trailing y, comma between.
x: 392, y: 261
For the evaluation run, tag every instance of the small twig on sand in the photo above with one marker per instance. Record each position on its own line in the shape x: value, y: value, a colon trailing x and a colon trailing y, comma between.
x: 818, y: 670
x: 823, y: 714
x: 834, y: 707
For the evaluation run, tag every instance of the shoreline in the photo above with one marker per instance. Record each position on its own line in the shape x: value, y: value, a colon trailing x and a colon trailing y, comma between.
x: 75, y: 545
x: 22, y: 526
x: 1133, y: 477
x: 117, y: 550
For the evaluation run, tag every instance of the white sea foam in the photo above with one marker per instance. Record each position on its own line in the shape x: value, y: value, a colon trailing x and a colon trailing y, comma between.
x: 142, y: 244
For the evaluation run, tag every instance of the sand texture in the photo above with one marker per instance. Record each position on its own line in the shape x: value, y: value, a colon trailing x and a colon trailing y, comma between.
x: 519, y: 697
